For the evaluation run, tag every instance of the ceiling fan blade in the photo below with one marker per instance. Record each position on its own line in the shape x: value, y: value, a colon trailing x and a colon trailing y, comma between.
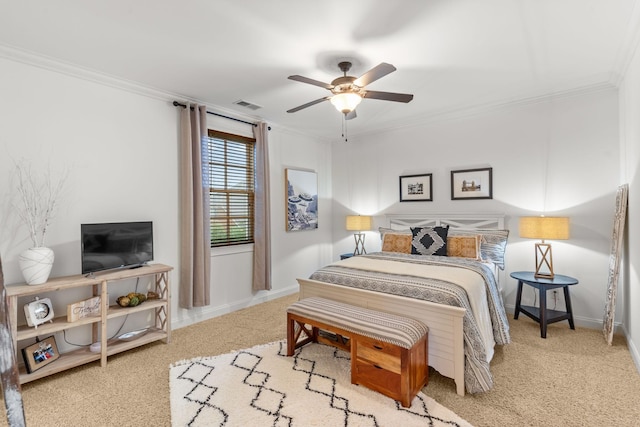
x: 351, y: 115
x: 310, y: 81
x: 374, y: 74
x: 388, y: 96
x: 308, y: 104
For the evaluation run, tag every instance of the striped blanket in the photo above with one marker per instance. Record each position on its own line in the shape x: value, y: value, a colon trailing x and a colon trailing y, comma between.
x: 452, y: 281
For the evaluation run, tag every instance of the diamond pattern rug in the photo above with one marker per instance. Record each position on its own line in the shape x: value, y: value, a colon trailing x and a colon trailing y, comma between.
x: 261, y: 386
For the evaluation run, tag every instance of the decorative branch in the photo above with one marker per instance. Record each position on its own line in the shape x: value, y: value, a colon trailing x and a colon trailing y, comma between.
x: 39, y: 197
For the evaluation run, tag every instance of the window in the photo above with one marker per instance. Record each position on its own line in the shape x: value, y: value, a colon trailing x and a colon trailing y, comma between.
x: 231, y: 188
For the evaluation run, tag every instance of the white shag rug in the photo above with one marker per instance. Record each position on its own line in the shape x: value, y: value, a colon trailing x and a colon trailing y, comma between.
x: 261, y: 386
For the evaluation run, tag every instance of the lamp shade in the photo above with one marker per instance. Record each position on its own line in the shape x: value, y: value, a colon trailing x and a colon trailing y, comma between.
x: 358, y: 222
x: 544, y: 227
x: 346, y: 102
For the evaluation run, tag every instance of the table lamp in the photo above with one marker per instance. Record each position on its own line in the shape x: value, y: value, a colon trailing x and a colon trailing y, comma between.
x: 544, y: 228
x: 359, y: 223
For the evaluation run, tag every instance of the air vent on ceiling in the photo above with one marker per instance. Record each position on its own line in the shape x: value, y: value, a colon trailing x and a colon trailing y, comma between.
x: 248, y: 105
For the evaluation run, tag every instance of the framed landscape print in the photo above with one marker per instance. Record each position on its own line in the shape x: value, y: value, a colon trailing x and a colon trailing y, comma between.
x: 416, y: 188
x: 301, y: 192
x: 472, y: 184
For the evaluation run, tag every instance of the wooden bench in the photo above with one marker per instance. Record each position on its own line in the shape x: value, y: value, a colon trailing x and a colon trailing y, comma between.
x: 388, y: 352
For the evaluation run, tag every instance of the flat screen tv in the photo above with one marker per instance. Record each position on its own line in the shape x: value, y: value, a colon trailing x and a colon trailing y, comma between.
x: 108, y: 246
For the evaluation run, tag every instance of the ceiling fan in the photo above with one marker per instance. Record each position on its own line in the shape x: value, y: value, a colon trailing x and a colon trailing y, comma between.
x: 348, y: 91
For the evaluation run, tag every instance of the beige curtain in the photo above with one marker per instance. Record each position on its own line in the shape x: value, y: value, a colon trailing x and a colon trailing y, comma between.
x: 195, y: 243
x: 262, y: 230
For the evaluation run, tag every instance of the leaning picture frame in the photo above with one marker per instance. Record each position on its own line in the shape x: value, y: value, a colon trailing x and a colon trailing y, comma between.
x: 301, y: 200
x: 416, y: 188
x: 472, y: 184
x: 40, y: 354
x: 617, y: 241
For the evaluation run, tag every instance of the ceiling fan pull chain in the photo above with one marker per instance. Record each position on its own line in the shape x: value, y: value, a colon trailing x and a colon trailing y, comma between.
x: 344, y: 127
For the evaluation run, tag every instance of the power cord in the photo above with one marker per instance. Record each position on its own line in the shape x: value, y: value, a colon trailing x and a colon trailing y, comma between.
x: 64, y: 331
x: 555, y: 298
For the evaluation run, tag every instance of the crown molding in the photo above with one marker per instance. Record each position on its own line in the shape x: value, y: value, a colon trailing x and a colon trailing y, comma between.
x: 487, y: 107
x: 72, y: 70
x: 55, y: 65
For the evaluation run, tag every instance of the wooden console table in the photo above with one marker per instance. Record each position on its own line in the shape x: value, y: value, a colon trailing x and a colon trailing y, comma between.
x: 160, y: 329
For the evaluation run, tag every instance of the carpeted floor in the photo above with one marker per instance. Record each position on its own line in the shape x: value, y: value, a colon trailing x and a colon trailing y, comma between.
x: 572, y: 378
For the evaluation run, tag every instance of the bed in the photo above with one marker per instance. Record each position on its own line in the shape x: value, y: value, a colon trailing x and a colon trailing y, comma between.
x: 458, y: 297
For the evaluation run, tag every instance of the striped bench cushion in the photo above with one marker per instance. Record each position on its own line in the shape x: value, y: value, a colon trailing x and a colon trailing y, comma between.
x: 386, y: 327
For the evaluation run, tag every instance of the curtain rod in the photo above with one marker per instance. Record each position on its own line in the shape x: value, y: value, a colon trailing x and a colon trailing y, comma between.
x: 177, y: 104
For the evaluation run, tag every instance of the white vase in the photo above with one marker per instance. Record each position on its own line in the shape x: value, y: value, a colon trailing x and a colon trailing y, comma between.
x: 35, y: 264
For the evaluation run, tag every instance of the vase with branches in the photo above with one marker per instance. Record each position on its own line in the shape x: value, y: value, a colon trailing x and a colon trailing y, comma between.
x: 38, y: 202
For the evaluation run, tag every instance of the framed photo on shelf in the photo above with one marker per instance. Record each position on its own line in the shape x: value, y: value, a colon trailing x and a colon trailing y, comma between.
x: 416, y: 188
x: 472, y: 184
x: 40, y: 354
x: 301, y: 200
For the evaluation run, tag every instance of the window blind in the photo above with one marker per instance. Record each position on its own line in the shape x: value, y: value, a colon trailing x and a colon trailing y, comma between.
x: 231, y: 177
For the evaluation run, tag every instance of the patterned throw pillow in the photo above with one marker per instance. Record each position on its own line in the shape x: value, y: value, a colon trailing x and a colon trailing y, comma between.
x: 493, y: 243
x: 464, y: 246
x: 384, y: 230
x: 429, y: 240
x: 392, y: 242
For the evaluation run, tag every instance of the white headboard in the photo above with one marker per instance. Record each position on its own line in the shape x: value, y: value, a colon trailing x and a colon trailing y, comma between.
x: 493, y: 221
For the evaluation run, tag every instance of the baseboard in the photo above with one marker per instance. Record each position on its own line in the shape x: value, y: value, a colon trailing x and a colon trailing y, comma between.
x: 264, y: 296
x: 584, y: 322
x: 633, y: 349
x: 205, y: 313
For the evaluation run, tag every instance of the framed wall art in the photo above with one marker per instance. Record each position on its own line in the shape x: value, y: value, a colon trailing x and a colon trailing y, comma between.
x: 416, y: 188
x: 40, y: 354
x: 301, y: 192
x: 472, y: 184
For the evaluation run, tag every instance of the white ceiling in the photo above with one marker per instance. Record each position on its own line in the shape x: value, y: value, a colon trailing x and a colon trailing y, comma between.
x: 452, y: 55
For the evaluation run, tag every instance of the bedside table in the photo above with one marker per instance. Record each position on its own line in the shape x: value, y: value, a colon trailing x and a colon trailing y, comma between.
x: 345, y: 256
x: 543, y: 315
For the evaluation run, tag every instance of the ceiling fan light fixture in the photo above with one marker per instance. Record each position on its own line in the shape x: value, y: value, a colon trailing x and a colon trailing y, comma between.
x: 348, y: 91
x: 346, y: 102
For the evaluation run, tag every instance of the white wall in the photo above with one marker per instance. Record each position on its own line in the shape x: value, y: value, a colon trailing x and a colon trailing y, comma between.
x: 114, y: 145
x: 118, y: 147
x: 557, y: 156
x: 630, y: 171
x: 119, y: 144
